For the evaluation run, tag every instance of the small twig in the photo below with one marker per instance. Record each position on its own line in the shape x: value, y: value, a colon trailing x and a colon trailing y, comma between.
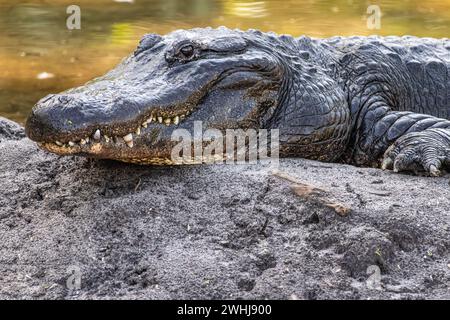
x: 310, y: 192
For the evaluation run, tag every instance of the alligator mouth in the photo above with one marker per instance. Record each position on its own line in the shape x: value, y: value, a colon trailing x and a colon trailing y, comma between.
x: 118, y: 136
x: 142, y: 135
x: 115, y: 132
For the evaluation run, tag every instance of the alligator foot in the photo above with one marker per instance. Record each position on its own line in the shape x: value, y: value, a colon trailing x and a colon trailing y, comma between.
x: 427, y: 150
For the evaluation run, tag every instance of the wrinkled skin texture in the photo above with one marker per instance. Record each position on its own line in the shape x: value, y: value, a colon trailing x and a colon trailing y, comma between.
x: 362, y: 100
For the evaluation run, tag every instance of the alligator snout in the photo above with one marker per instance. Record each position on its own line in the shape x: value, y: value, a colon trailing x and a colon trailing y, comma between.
x: 47, y: 121
x: 74, y: 116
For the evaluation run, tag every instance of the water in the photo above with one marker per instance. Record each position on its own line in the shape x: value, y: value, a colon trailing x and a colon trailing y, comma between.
x: 38, y: 55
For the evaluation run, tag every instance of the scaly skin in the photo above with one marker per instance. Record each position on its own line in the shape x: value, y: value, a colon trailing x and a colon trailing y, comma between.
x: 363, y: 100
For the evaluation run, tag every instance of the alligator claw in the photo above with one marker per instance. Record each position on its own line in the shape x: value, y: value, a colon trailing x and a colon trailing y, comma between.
x: 418, y: 151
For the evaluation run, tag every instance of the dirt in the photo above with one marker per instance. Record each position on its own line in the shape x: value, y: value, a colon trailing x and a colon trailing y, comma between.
x: 74, y: 228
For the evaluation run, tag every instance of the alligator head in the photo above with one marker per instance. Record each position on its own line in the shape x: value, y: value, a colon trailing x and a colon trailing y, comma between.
x: 225, y: 78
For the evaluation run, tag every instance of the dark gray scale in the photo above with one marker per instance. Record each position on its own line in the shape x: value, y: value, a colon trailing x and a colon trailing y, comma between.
x: 437, y: 72
x: 427, y: 87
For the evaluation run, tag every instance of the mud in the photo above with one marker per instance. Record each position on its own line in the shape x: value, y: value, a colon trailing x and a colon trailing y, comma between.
x: 215, y: 231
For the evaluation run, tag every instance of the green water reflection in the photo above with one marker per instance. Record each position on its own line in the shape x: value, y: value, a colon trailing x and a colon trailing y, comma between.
x: 38, y: 55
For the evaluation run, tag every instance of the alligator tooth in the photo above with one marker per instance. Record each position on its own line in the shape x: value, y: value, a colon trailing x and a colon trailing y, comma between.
x: 82, y: 142
x: 87, y: 139
x: 149, y: 120
x: 167, y: 121
x: 106, y: 139
x: 97, y: 135
x: 144, y: 124
x: 59, y: 143
x: 128, y: 138
x: 72, y: 144
x: 176, y: 119
x: 138, y: 131
x: 160, y: 119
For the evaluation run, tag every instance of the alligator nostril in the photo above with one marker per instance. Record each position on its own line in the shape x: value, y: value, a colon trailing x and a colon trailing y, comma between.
x: 54, y: 99
x: 64, y: 99
x: 47, y: 98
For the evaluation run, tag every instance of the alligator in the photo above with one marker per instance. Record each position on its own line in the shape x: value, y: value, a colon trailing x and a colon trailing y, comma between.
x: 368, y: 101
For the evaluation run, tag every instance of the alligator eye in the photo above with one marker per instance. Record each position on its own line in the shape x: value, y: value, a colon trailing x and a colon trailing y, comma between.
x: 187, y: 51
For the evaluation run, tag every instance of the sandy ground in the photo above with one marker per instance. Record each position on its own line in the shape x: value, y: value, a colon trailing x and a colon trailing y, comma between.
x: 73, y: 228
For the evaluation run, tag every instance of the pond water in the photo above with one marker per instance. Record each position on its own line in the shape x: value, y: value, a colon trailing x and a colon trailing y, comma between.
x: 39, y: 55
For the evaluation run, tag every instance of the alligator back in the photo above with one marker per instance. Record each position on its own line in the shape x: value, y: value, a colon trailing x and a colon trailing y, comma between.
x: 412, y: 74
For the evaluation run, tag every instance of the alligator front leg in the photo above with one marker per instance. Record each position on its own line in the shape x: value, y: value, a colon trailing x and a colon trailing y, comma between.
x: 403, y: 141
x: 428, y: 150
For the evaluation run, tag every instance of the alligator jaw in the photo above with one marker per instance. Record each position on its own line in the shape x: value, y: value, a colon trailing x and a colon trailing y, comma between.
x: 102, y: 151
x: 99, y: 150
x: 130, y: 113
